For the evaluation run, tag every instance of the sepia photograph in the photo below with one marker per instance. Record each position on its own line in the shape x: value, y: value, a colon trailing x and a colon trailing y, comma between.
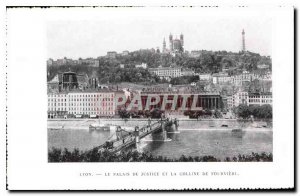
x: 160, y: 89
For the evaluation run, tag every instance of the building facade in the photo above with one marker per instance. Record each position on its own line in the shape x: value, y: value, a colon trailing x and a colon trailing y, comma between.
x: 203, y: 101
x: 205, y: 77
x: 240, y: 98
x: 143, y: 65
x: 260, y: 99
x: 97, y: 103
x: 221, y: 78
x: 111, y: 54
x: 241, y: 78
x: 166, y: 72
x: 125, y: 53
x: 248, y: 99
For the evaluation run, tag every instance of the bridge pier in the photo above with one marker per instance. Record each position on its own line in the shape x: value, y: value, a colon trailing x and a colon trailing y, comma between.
x: 137, y: 134
x: 175, y: 124
x: 164, y: 131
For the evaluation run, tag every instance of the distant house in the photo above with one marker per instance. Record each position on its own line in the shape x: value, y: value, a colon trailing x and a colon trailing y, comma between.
x: 195, y: 53
x: 221, y: 78
x: 205, y: 77
x: 125, y: 53
x: 193, y: 84
x: 112, y: 54
x: 260, y: 98
x: 166, y: 72
x: 143, y: 65
x: 263, y: 66
x: 241, y: 78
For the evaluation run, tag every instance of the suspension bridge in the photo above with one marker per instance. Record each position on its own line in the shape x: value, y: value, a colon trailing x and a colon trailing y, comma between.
x: 125, y: 139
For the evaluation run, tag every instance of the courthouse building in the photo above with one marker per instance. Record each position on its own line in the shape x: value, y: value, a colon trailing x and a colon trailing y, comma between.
x: 204, y: 100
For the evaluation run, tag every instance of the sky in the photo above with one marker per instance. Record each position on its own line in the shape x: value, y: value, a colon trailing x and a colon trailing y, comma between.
x: 122, y: 30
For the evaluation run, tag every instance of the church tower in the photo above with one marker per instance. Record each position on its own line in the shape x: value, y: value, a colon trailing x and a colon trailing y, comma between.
x: 243, y: 41
x: 182, y: 42
x: 164, y: 46
x: 171, y: 42
x: 181, y: 39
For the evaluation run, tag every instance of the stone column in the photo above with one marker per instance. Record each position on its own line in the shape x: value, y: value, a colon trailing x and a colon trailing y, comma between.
x: 215, y: 106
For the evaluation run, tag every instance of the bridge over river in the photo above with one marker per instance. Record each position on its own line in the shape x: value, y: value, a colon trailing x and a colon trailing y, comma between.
x: 126, y: 139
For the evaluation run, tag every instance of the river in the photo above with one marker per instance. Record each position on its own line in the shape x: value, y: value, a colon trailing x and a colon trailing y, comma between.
x: 193, y: 138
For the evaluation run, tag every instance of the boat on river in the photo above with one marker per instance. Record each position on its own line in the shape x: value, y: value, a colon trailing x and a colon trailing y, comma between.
x: 108, y: 127
x: 99, y: 127
x: 238, y: 132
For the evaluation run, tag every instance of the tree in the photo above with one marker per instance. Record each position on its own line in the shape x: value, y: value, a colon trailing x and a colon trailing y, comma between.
x: 123, y: 113
x: 260, y: 112
x: 218, y: 114
x: 156, y: 113
x: 243, y: 111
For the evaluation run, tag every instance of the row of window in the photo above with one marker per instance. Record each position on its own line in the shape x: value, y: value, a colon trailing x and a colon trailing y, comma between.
x: 95, y: 113
x: 80, y: 109
x: 86, y: 100
x: 93, y: 95
x: 90, y: 109
x: 80, y: 104
x: 80, y: 95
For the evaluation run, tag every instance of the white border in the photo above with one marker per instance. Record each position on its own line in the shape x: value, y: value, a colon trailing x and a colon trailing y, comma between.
x: 27, y: 98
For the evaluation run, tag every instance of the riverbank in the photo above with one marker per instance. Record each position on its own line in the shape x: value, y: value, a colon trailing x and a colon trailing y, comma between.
x: 184, y: 124
x: 58, y: 155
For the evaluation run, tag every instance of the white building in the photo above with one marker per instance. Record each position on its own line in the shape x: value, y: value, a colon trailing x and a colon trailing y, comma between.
x: 239, y: 98
x: 249, y: 99
x: 58, y: 104
x: 263, y: 66
x: 205, y: 76
x: 244, y: 77
x: 143, y: 65
x: 195, y: 53
x: 92, y: 103
x: 229, y: 101
x: 166, y: 72
x: 193, y: 84
x: 125, y: 53
x: 221, y: 78
x: 260, y: 99
x: 99, y: 103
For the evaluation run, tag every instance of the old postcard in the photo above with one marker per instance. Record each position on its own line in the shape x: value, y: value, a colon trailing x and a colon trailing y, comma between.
x: 150, y: 98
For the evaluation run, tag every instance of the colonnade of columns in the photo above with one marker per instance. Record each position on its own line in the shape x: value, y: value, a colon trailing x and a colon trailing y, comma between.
x: 209, y: 102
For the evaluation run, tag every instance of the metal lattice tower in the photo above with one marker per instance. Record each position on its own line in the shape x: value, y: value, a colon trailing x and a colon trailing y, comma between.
x: 243, y: 41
